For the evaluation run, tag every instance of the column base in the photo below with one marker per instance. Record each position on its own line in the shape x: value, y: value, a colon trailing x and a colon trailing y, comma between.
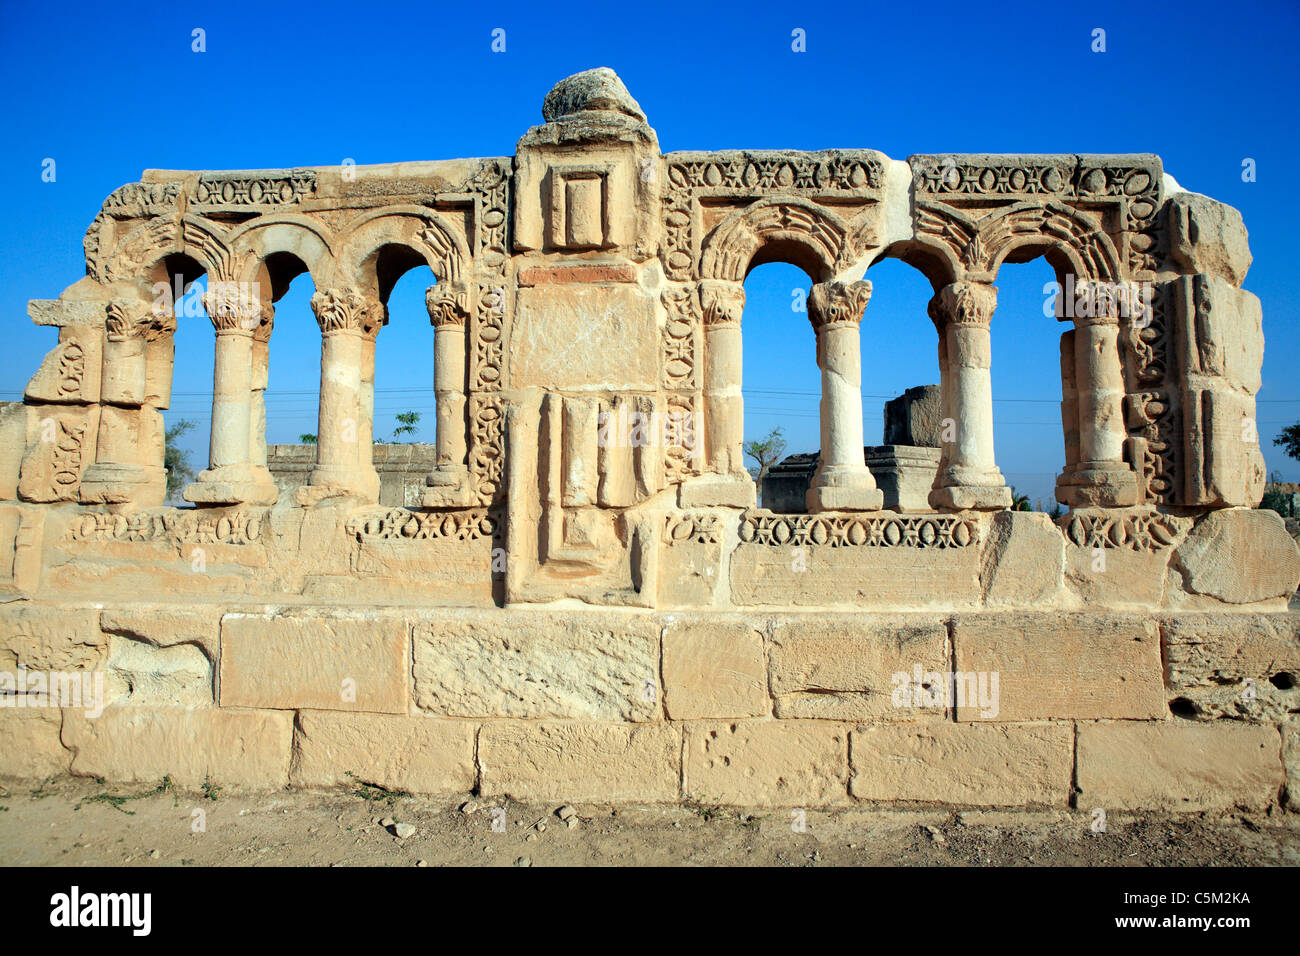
x: 447, y: 488
x: 111, y: 483
x: 1097, y: 484
x: 326, y: 484
x: 971, y: 498
x: 232, y: 485
x: 839, y: 498
x: 713, y: 490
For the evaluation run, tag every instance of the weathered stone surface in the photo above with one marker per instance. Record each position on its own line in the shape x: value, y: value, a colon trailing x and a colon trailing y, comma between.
x: 13, y: 439
x: 29, y: 743
x: 1177, y: 765
x: 1291, y: 757
x: 22, y: 533
x: 1024, y: 561
x: 140, y: 674
x: 767, y: 763
x: 1239, y: 666
x: 973, y: 764
x: 417, y: 755
x: 226, y: 747
x: 1240, y: 556
x: 596, y: 666
x: 714, y: 670
x: 318, y: 663
x: 580, y: 761
x: 598, y: 89
x: 915, y: 417
x: 1053, y: 667
x: 848, y: 667
x: 1208, y: 236
x: 165, y: 625
x: 50, y: 638
x: 70, y: 373
x: 583, y: 337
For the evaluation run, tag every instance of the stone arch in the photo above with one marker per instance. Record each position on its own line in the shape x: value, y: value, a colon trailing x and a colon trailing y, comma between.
x: 278, y: 249
x: 785, y: 229
x: 377, y: 248
x: 1070, y: 240
x: 934, y: 260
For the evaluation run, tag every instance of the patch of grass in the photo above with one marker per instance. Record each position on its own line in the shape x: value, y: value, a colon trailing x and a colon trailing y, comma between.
x: 705, y: 811
x: 210, y: 791
x: 372, y: 794
x: 113, y: 800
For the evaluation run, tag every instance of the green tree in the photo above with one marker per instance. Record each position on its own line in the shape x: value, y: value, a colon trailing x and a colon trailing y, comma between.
x: 766, y: 451
x: 407, y: 421
x: 307, y: 438
x: 1019, y: 502
x: 1290, y: 440
x: 176, y: 460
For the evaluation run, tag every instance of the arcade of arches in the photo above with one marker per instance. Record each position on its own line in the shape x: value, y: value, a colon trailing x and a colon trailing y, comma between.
x: 586, y: 602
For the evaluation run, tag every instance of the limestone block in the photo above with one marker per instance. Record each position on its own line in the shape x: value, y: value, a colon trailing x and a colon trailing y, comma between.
x: 247, y: 749
x: 882, y: 560
x: 689, y: 573
x: 847, y: 667
x: 1178, y: 765
x: 1117, y: 557
x: 318, y: 662
x: 1291, y: 757
x: 29, y: 743
x: 767, y: 763
x: 1024, y: 561
x: 1208, y: 236
x: 533, y: 761
x: 714, y: 669
x: 70, y: 372
x: 1239, y: 556
x: 964, y: 764
x: 904, y: 474
x: 45, y: 638
x: 599, y: 89
x: 404, y: 754
x: 1055, y: 666
x: 142, y: 675
x: 13, y: 443
x: 22, y: 533
x: 165, y: 625
x: 527, y: 664
x: 1240, y: 666
x: 66, y: 314
x: 915, y: 417
x: 584, y: 337
x: 60, y: 447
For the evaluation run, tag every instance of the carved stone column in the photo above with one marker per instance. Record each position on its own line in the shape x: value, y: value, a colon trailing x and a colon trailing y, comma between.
x: 1099, y: 477
x: 969, y: 477
x: 724, y: 408
x: 118, y: 474
x: 448, y: 483
x: 231, y: 477
x: 347, y: 320
x: 260, y: 380
x: 842, y: 481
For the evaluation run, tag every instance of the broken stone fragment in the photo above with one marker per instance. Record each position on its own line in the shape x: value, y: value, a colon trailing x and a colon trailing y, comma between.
x: 599, y: 89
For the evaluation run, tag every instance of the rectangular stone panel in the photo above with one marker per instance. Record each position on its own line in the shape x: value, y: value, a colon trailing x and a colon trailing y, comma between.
x: 317, y: 662
x: 964, y: 764
x: 538, y: 664
x: 406, y: 754
x: 856, y: 667
x: 227, y: 748
x: 574, y: 760
x: 767, y: 763
x: 714, y: 669
x: 1061, y: 666
x: 1179, y: 765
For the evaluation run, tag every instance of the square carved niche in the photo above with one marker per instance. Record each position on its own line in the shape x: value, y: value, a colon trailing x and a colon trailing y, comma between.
x: 580, y: 207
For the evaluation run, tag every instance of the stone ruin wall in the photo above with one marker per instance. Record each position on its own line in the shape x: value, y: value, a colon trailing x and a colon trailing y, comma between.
x: 567, y: 617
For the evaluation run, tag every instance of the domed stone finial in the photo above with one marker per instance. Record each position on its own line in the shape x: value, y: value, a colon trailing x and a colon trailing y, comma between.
x: 591, y: 90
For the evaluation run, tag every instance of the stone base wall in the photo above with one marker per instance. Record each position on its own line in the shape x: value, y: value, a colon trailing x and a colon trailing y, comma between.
x: 1116, y: 711
x: 402, y: 470
x: 329, y: 646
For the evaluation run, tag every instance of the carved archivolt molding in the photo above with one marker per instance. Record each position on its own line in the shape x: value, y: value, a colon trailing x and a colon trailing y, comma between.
x: 732, y: 246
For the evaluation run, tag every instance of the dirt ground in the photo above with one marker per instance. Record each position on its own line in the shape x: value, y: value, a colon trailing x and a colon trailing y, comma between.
x: 85, y: 823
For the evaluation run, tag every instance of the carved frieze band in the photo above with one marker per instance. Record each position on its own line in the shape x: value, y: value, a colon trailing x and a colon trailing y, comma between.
x: 1132, y: 531
x: 858, y: 531
x: 700, y: 527
x: 399, y: 524
x: 177, y: 527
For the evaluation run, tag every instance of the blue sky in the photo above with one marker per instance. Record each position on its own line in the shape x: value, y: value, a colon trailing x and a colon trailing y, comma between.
x: 109, y: 90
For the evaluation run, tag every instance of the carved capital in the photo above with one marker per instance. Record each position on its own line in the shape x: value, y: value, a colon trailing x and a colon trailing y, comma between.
x: 964, y: 303
x: 347, y: 310
x: 128, y: 319
x: 448, y: 304
x: 835, y: 304
x: 1102, y: 303
x: 722, y: 302
x: 233, y: 306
